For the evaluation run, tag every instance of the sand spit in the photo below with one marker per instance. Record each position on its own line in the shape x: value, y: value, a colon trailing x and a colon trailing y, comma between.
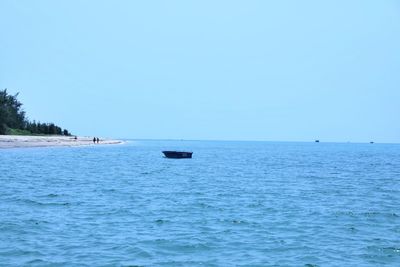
x: 16, y: 141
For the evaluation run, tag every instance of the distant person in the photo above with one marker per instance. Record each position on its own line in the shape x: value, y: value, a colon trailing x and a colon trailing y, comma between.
x: 94, y: 140
x: 76, y: 138
x: 98, y: 140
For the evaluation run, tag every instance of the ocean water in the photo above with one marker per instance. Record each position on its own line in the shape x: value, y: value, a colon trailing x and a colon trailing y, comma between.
x: 233, y: 204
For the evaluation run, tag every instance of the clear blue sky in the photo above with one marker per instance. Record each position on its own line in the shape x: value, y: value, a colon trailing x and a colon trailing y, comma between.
x: 230, y: 70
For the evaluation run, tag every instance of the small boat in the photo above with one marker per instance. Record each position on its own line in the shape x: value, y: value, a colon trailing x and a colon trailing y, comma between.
x: 316, y: 141
x: 178, y: 154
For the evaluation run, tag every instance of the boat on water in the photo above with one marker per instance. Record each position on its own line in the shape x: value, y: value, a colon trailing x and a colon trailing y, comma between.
x: 178, y: 154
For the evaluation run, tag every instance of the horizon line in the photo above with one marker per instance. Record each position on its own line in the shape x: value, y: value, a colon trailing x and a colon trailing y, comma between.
x: 247, y: 140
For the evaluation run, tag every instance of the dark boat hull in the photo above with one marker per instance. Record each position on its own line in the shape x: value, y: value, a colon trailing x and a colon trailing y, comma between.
x: 177, y: 154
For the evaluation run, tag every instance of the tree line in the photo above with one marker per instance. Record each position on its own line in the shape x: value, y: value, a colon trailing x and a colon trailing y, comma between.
x: 13, y: 119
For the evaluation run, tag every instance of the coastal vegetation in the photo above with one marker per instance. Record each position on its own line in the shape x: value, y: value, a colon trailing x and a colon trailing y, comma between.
x: 13, y: 119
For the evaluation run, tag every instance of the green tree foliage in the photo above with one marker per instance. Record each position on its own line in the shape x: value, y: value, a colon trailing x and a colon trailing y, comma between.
x: 12, y: 116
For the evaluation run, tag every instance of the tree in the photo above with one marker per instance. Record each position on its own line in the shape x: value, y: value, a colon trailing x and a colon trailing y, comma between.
x: 11, y: 113
x: 66, y: 133
x: 12, y: 116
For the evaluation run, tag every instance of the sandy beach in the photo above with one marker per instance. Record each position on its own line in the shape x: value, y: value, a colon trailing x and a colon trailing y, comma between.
x: 17, y: 141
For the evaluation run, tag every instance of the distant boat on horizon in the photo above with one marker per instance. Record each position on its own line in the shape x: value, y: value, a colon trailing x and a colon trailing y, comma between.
x: 317, y: 141
x: 178, y: 154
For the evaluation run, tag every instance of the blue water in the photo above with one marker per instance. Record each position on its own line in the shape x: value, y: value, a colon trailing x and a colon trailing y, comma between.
x: 233, y: 204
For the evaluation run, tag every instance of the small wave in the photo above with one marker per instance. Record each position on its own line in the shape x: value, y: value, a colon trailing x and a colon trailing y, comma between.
x: 38, y: 203
x: 366, y: 214
x: 161, y: 221
x: 385, y: 250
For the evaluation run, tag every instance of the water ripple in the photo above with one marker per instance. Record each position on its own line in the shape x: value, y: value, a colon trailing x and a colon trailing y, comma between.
x: 233, y: 204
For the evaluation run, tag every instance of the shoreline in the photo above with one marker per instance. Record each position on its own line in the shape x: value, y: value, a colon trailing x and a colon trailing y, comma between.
x: 21, y: 141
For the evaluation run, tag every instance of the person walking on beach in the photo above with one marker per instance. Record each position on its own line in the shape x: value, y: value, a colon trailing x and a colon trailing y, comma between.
x: 98, y: 140
x: 94, y: 140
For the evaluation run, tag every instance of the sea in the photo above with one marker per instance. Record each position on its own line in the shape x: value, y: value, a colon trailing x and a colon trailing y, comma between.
x: 232, y: 204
